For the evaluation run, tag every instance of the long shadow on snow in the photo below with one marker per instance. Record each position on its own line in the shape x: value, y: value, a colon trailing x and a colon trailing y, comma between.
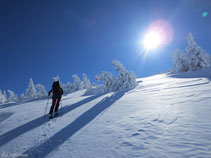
x: 7, y: 105
x: 39, y: 121
x: 60, y: 137
x: 4, y: 116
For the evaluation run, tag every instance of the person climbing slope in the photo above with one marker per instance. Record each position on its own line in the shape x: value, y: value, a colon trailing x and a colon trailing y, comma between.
x: 56, y: 98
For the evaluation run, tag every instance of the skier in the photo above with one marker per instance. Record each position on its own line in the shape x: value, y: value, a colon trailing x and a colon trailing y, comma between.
x: 56, y: 98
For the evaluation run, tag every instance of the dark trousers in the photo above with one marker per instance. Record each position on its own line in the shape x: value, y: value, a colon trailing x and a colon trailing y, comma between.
x: 55, y: 102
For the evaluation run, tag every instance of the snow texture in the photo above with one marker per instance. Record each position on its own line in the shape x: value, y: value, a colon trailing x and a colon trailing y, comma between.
x: 195, y: 59
x: 164, y: 116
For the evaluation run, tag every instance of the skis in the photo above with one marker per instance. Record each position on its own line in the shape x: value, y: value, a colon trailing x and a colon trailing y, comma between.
x: 54, y: 116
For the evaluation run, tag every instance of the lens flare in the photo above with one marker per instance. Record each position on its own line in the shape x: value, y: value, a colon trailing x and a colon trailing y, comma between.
x: 158, y: 34
x: 204, y: 14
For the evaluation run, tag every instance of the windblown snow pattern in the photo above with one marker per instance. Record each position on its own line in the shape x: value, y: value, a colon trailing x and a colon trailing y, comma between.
x: 165, y: 116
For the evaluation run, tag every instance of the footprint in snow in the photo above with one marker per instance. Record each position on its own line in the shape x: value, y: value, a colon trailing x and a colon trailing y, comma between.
x: 157, y: 120
x: 135, y: 134
x: 127, y: 144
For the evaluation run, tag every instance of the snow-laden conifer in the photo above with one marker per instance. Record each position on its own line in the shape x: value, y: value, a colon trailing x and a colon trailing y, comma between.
x: 22, y: 98
x: 41, y: 92
x: 56, y: 78
x: 198, y: 58
x: 126, y: 79
x: 110, y: 82
x: 67, y: 88
x: 31, y: 92
x: 3, y: 97
x: 77, y: 84
x: 86, y: 82
x: 12, y: 96
x: 194, y: 59
x: 180, y: 61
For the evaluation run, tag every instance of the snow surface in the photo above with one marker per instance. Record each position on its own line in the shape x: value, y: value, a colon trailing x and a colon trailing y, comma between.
x: 165, y: 116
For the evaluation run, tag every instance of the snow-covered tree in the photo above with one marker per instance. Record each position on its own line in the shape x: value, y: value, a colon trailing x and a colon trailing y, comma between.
x: 31, y: 92
x: 12, y: 96
x: 96, y: 90
x: 180, y: 61
x: 21, y: 98
x: 77, y: 84
x: 126, y: 79
x: 199, y: 58
x: 110, y: 84
x: 86, y: 82
x: 41, y: 92
x: 67, y: 88
x: 195, y: 59
x: 56, y: 78
x: 3, y: 97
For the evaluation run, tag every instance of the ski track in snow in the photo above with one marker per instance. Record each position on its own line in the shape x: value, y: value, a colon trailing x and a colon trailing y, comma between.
x: 165, y: 116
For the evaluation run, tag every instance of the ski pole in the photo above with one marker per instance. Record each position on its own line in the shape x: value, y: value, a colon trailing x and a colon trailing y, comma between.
x: 46, y: 107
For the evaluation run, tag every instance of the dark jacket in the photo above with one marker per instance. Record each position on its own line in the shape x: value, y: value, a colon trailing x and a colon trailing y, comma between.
x: 57, y: 91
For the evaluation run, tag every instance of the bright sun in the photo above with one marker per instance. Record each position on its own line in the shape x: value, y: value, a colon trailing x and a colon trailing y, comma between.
x: 152, y: 40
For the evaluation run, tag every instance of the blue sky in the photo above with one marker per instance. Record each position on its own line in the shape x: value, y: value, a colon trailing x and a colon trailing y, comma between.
x: 42, y: 39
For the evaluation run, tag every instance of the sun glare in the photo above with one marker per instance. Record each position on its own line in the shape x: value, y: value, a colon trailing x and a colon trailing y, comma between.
x: 159, y: 34
x: 152, y: 40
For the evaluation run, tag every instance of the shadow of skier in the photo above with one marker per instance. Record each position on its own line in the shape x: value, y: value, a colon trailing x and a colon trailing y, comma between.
x: 8, y: 105
x: 4, y: 116
x: 60, y: 137
x: 39, y: 121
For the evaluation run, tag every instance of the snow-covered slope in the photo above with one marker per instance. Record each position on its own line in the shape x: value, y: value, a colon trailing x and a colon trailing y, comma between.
x: 164, y: 116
